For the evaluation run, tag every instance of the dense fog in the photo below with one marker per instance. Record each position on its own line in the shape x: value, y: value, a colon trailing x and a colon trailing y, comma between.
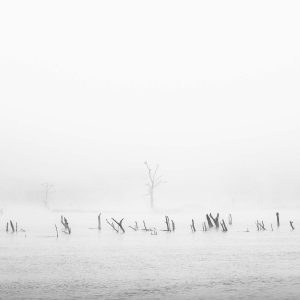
x: 208, y: 92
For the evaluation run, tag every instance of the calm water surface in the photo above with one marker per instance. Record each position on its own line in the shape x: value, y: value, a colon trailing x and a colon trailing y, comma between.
x: 136, y: 265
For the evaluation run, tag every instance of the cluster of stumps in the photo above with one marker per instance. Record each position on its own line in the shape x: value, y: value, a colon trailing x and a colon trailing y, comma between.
x: 261, y: 226
x: 13, y: 228
x: 118, y: 227
x: 213, y: 222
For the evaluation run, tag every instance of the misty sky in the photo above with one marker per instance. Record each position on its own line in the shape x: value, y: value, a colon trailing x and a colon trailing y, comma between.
x: 89, y: 90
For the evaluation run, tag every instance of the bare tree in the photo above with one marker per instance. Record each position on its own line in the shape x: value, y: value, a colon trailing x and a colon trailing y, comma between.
x: 48, y: 188
x: 154, y: 181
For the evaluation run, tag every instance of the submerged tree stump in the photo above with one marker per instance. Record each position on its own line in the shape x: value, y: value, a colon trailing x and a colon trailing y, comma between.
x: 119, y: 224
x: 210, y: 224
x: 224, y: 228
x: 173, y: 225
x: 193, y: 226
x: 216, y: 219
x: 111, y: 224
x: 277, y: 217
x: 56, y: 231
x: 99, y: 221
x: 65, y: 223
x: 168, y: 224
x: 230, y: 219
x: 260, y: 225
x: 12, y: 226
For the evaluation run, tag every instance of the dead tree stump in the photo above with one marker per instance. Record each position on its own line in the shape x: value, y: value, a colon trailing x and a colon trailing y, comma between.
x: 210, y: 224
x: 173, y: 225
x: 277, y: 217
x: 112, y: 225
x: 224, y: 228
x: 216, y: 220
x: 145, y: 227
x: 193, y: 226
x: 56, y: 231
x: 12, y: 226
x: 119, y: 224
x: 99, y: 221
x: 230, y: 219
x: 260, y: 226
x: 168, y: 224
x: 65, y: 223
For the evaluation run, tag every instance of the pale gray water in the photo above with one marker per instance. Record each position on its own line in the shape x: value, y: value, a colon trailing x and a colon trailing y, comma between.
x: 136, y: 265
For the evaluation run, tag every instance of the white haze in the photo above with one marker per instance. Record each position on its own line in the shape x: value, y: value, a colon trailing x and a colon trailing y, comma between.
x: 89, y: 90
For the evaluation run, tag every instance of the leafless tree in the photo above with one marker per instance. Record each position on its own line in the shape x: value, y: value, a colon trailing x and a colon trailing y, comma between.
x: 48, y: 188
x: 154, y: 181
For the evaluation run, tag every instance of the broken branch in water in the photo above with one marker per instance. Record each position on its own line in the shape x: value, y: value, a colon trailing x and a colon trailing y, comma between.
x: 65, y: 223
x: 119, y: 224
x: 135, y: 228
x: 112, y: 226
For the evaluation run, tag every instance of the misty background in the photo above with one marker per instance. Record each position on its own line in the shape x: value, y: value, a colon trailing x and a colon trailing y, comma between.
x: 208, y: 90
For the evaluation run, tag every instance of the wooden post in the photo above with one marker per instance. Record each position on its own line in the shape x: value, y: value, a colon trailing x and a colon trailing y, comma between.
x: 277, y: 216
